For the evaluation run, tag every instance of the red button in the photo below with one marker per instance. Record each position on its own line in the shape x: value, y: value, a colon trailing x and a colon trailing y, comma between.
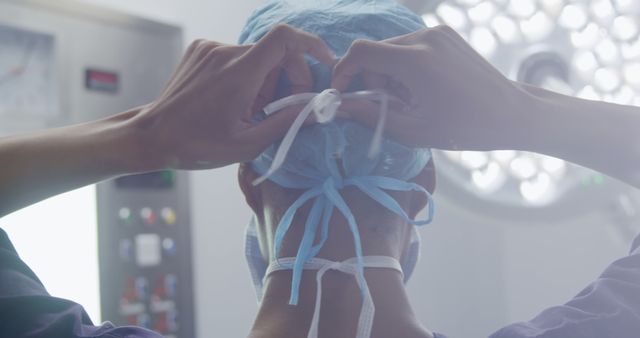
x: 148, y: 216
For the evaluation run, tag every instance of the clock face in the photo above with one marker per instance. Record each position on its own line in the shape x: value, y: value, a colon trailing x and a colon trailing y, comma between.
x: 27, y: 81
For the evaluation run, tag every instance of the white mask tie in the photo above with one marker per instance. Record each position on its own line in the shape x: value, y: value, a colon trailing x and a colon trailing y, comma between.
x: 349, y: 266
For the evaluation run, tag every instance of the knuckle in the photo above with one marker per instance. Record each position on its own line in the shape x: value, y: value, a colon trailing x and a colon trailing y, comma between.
x: 360, y: 47
x: 281, y: 30
x: 445, y: 29
x: 431, y: 34
x: 361, y: 44
x: 203, y: 47
x: 197, y: 42
x: 436, y: 36
x: 219, y: 52
x: 194, y: 45
x: 222, y: 51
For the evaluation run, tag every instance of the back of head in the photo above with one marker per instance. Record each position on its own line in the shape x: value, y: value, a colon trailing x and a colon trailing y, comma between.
x: 327, y: 160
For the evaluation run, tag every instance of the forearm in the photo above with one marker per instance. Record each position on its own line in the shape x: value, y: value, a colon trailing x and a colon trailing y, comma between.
x: 37, y: 166
x: 598, y: 135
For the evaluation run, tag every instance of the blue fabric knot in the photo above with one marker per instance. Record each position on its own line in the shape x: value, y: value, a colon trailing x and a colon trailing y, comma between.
x: 326, y: 197
x: 334, y: 181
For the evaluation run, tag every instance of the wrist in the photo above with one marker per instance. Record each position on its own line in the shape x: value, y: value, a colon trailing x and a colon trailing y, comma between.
x: 534, y: 118
x: 132, y: 148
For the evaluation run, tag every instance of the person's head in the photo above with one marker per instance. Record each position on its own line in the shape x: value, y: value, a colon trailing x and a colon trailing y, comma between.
x: 328, y: 167
x: 382, y: 231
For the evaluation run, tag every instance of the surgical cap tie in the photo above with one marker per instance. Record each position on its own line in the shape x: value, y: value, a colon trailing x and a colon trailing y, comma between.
x: 350, y: 266
x: 325, y: 193
x: 324, y: 106
x: 327, y: 197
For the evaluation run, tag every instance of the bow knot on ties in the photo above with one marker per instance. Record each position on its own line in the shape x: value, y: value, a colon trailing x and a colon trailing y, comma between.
x: 324, y: 107
x: 326, y: 104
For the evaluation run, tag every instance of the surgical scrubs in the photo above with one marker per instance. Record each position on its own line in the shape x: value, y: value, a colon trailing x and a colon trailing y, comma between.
x: 607, y: 308
x: 27, y: 310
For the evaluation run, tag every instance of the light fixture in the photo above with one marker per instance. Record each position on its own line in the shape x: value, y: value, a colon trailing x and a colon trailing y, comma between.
x: 584, y: 48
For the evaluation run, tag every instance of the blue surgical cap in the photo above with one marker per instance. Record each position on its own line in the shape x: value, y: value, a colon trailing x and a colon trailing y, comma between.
x: 324, y: 158
x: 337, y: 22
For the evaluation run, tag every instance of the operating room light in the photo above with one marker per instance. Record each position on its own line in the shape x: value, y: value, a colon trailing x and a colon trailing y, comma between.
x: 523, y: 167
x: 585, y: 63
x: 587, y: 37
x: 482, y: 12
x: 473, y: 159
x: 625, y: 28
x: 505, y: 28
x: 483, y: 40
x: 453, y: 16
x: 573, y: 17
x: 536, y: 28
x: 488, y: 179
x: 586, y: 48
x: 536, y: 189
x: 522, y: 8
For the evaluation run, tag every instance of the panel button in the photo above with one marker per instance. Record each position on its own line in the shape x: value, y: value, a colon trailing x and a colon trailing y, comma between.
x: 169, y: 246
x: 129, y: 290
x: 132, y: 320
x: 144, y: 320
x: 125, y: 216
x: 161, y: 323
x: 172, y: 320
x: 126, y: 249
x: 148, y: 216
x: 171, y: 285
x: 148, y: 252
x: 168, y: 216
x: 142, y: 288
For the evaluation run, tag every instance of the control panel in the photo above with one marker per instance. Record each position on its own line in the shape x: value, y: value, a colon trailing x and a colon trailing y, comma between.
x: 145, y: 253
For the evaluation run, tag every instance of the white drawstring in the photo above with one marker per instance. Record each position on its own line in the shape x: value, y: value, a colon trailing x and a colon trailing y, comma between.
x: 349, y: 266
x: 324, y: 106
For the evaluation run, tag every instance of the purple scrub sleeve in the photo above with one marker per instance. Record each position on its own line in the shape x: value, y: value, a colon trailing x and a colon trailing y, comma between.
x: 28, y: 311
x: 608, y: 307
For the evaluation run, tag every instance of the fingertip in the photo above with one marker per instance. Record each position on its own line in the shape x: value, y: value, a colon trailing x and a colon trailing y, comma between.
x: 299, y: 74
x: 323, y: 53
x: 343, y: 73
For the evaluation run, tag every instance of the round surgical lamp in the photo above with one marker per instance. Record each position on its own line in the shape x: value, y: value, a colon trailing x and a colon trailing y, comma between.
x: 584, y: 48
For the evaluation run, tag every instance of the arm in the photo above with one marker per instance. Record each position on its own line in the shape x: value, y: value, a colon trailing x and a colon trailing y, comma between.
x: 598, y: 135
x: 458, y: 101
x: 202, y: 120
x: 44, y: 164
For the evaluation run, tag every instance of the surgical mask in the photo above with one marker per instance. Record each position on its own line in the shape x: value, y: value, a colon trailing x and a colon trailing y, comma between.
x: 258, y: 264
x: 323, y: 181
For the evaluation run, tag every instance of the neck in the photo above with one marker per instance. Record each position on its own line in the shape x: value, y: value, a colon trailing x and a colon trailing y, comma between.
x: 341, y: 305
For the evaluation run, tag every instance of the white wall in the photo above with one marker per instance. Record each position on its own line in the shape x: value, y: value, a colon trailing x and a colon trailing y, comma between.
x: 64, y: 272
x: 477, y: 274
